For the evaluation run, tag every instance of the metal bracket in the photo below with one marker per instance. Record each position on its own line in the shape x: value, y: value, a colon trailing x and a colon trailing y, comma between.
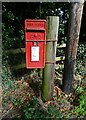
x: 35, y: 40
x: 51, y: 40
x: 50, y: 62
x: 41, y: 40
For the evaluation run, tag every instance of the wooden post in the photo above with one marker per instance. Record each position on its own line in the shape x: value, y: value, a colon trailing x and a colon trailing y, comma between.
x: 72, y: 44
x: 49, y: 70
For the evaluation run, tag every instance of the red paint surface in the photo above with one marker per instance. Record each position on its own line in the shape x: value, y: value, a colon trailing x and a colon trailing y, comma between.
x: 35, y: 30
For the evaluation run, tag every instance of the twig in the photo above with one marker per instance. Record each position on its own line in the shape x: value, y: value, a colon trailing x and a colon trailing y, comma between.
x: 43, y: 106
x: 7, y: 112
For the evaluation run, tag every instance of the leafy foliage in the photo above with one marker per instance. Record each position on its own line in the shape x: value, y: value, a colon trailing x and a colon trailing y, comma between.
x: 32, y: 111
x: 11, y: 34
x: 7, y: 83
x: 81, y: 61
x: 54, y: 112
x: 80, y: 110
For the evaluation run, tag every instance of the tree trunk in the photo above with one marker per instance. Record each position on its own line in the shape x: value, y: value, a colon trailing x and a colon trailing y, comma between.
x: 49, y: 70
x: 72, y: 44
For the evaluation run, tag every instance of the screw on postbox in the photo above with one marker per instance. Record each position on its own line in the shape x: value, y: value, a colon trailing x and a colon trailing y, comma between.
x: 35, y: 41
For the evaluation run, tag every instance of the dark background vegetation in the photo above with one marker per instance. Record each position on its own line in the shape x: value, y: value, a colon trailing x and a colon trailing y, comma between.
x: 13, y: 17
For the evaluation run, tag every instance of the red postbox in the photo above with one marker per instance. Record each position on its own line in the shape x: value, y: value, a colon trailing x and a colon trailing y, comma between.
x: 35, y: 39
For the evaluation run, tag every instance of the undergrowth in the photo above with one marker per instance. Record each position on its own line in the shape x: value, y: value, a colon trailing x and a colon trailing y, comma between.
x: 17, y: 95
x: 33, y: 111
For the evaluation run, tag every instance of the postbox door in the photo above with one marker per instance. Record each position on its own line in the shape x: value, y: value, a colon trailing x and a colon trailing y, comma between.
x: 35, y: 55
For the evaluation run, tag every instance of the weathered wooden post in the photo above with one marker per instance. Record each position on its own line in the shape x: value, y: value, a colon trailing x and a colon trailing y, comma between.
x: 49, y: 70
